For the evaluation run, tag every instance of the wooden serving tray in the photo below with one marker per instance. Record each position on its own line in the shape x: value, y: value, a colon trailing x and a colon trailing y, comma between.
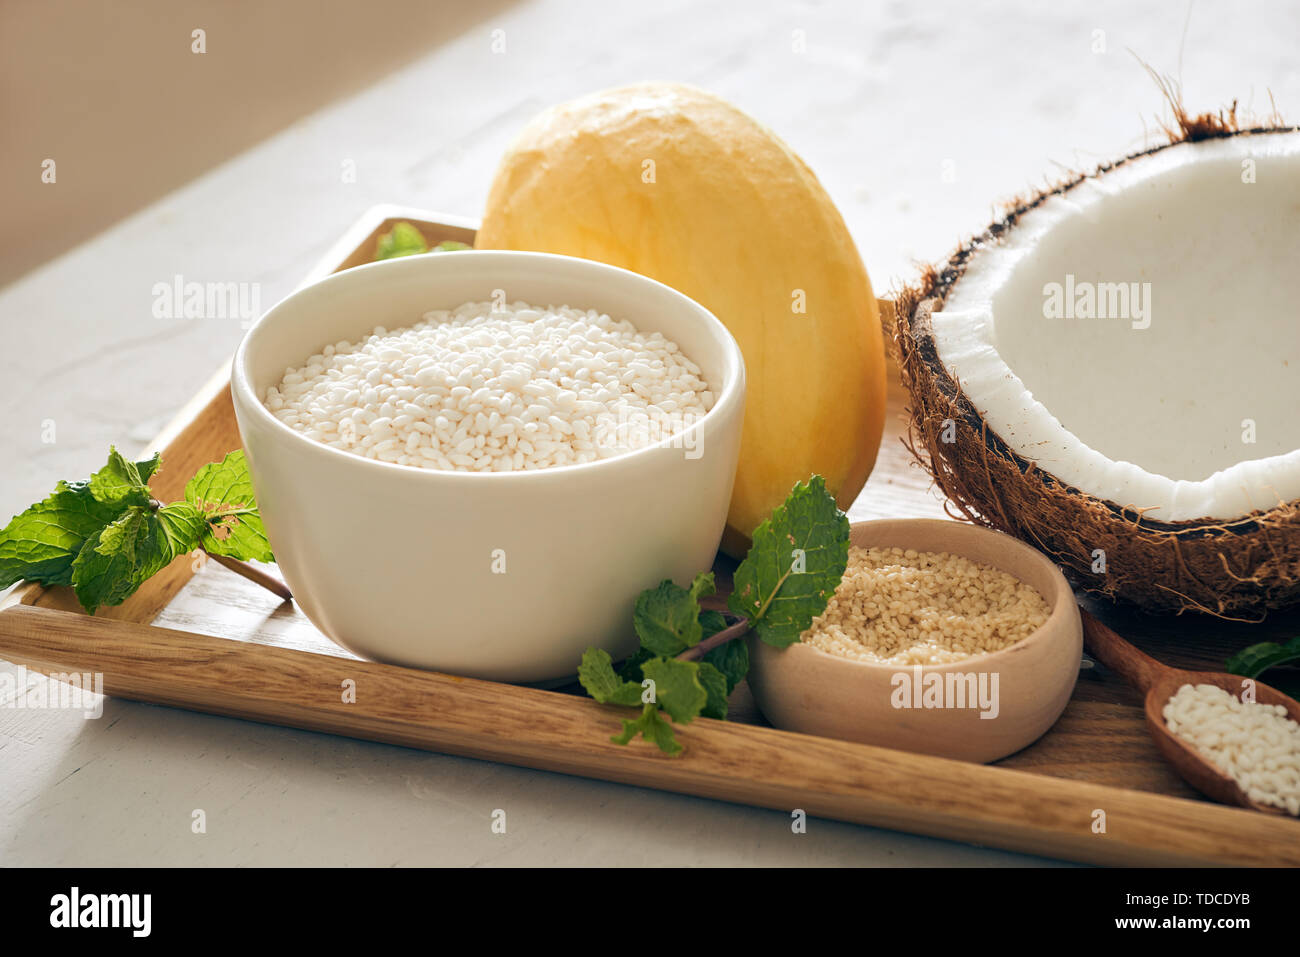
x: 197, y: 636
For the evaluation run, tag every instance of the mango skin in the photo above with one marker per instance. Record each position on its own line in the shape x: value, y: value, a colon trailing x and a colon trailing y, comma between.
x: 678, y: 185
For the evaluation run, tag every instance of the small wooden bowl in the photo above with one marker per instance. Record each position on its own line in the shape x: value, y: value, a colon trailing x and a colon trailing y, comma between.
x: 802, y: 688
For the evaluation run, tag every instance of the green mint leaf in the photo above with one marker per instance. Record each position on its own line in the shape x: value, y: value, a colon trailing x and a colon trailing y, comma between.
x: 113, y: 564
x: 794, y: 566
x: 223, y: 493
x: 1254, y: 661
x: 667, y: 618
x: 731, y: 660
x: 450, y: 246
x: 182, y: 526
x: 596, y: 673
x: 702, y: 586
x: 677, y: 687
x: 149, y: 467
x: 119, y: 482
x: 40, y: 544
x: 402, y: 240
x: 715, y: 687
x: 651, y: 726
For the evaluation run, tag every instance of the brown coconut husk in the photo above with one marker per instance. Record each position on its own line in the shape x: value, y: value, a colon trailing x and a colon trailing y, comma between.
x: 1236, y: 570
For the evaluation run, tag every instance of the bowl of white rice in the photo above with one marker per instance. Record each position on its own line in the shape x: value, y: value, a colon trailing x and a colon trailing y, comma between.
x: 473, y: 462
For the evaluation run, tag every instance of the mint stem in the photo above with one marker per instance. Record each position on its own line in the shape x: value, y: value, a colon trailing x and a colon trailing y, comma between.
x: 254, y: 575
x: 727, y: 634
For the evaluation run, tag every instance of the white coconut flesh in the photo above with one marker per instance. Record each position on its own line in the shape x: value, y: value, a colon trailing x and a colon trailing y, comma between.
x: 1184, y: 400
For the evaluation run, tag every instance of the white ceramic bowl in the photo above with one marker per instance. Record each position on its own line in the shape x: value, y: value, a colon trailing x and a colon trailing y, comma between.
x: 396, y: 563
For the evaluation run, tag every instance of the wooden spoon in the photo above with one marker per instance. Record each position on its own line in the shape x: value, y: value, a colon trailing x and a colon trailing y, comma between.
x: 1160, y: 682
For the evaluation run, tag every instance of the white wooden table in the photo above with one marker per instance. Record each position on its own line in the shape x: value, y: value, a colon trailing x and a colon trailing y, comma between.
x: 918, y: 118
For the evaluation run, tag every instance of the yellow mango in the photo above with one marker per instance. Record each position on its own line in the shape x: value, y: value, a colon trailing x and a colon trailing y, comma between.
x: 678, y: 185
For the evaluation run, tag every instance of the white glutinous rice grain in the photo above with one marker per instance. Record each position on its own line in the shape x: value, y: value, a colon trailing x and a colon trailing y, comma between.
x: 488, y: 388
x: 1255, y: 744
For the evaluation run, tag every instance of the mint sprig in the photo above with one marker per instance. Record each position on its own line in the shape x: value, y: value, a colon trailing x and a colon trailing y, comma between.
x: 108, y: 535
x: 406, y: 240
x: 689, y: 661
x: 402, y: 240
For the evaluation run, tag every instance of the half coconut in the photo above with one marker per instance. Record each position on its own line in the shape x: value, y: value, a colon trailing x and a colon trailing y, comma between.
x: 1111, y: 372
